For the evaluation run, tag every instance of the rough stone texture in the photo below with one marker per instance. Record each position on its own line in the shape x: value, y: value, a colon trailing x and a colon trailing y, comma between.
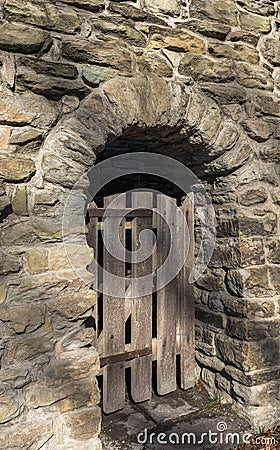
x: 21, y: 38
x: 198, y: 81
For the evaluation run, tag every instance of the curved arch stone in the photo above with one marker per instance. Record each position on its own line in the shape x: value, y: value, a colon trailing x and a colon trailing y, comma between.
x: 146, y: 103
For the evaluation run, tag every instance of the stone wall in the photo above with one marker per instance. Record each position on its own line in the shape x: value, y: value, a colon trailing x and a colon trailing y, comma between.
x: 197, y: 80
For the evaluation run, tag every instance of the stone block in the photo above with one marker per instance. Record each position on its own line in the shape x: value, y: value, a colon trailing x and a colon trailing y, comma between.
x: 244, y: 36
x: 259, y: 225
x: 91, y: 5
x: 253, y: 76
x: 72, y: 306
x: 19, y: 202
x: 211, y: 362
x: 26, y: 108
x: 255, y: 395
x: 131, y: 12
x: 51, y: 87
x: 5, y: 134
x: 94, y: 75
x: 248, y: 356
x: 271, y: 51
x: 21, y: 318
x: 83, y: 424
x: 225, y: 93
x: 24, y: 348
x: 252, y: 282
x: 9, y: 409
x: 16, y: 169
x: 253, y: 6
x: 212, y: 280
x: 253, y: 196
x: 43, y: 14
x: 252, y: 330
x: 237, y: 52
x: 224, y: 11
x: 73, y: 365
x: 273, y: 250
x: 179, y: 41
x: 207, y: 316
x: 258, y: 129
x: 37, y: 260
x: 252, y: 22
x: 205, y: 69
x: 15, y: 37
x: 49, y: 68
x: 151, y: 62
x: 170, y: 7
x: 121, y: 28
x: 30, y: 231
x: 209, y: 28
x: 68, y: 397
x: 9, y: 263
x: 31, y: 435
x: 251, y: 251
x: 91, y: 51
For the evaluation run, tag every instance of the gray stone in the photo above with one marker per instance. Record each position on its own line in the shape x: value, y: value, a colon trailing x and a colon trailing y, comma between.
x: 32, y: 435
x: 253, y: 196
x: 258, y: 129
x: 84, y: 424
x: 244, y: 36
x: 252, y: 22
x: 209, y: 28
x: 21, y: 38
x: 51, y: 87
x: 26, y: 231
x: 91, y: 5
x: 170, y: 7
x: 9, y: 263
x: 273, y: 250
x: 23, y: 317
x: 253, y: 77
x: 266, y: 8
x: 223, y: 11
x: 43, y: 14
x: 16, y: 169
x: 94, y: 75
x: 207, y: 316
x: 91, y: 51
x: 236, y: 51
x: 27, y: 108
x: 120, y: 28
x: 178, y: 40
x: 271, y: 51
x: 131, y: 12
x: 151, y: 62
x: 252, y: 282
x: 225, y: 93
x: 205, y: 69
x: 50, y: 68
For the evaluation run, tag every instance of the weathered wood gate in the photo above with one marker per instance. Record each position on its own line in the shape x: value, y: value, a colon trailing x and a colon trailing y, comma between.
x: 135, y: 330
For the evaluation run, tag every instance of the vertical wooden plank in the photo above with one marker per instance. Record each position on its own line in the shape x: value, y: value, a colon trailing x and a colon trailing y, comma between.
x: 187, y: 304
x: 141, y: 368
x: 114, y: 323
x: 166, y: 305
x: 93, y: 243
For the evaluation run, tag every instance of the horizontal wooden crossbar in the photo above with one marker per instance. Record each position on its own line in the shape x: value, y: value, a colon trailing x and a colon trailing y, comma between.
x: 127, y: 356
x: 125, y: 212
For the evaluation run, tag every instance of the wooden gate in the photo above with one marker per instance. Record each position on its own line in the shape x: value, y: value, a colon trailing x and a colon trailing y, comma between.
x: 145, y: 333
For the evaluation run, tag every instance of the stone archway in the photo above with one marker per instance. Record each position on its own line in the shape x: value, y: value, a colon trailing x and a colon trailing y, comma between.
x: 192, y: 128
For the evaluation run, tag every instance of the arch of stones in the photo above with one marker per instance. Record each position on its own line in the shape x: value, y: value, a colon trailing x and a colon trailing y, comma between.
x: 198, y: 83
